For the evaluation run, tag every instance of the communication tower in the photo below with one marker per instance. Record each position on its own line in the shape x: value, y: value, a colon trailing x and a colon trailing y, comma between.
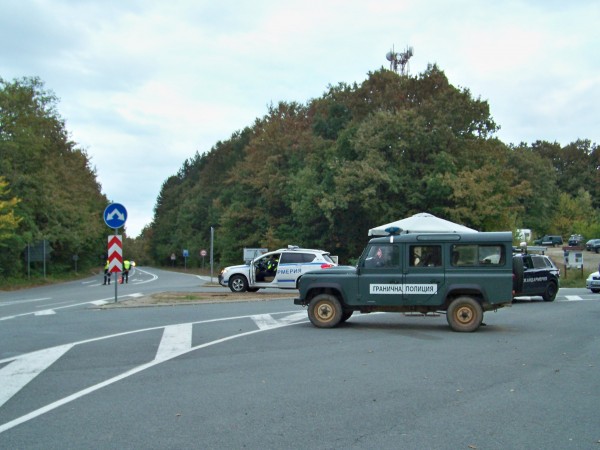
x: 399, y: 59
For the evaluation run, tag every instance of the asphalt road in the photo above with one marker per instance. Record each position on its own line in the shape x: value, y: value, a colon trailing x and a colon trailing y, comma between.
x: 258, y: 375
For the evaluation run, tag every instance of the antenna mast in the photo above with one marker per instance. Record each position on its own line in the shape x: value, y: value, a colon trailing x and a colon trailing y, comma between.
x: 399, y: 59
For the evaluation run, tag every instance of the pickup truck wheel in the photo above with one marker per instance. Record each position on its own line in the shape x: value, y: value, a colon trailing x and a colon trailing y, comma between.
x: 551, y: 291
x: 238, y: 283
x: 464, y: 314
x: 325, y: 311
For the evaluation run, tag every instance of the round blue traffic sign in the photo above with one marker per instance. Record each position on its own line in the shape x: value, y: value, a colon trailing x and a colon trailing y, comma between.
x: 115, y: 215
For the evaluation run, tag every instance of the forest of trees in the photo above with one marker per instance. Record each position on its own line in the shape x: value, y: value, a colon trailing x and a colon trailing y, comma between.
x: 317, y: 175
x: 321, y: 174
x: 48, y: 192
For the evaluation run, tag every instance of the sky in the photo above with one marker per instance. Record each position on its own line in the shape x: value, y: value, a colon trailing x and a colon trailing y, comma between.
x: 144, y: 85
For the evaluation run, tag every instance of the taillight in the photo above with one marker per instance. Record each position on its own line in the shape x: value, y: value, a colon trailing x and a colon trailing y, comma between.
x: 326, y: 266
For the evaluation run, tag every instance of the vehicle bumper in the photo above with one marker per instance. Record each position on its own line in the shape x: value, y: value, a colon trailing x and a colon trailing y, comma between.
x: 593, y: 284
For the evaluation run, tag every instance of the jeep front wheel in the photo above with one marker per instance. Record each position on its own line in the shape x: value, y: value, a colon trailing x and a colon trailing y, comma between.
x: 325, y: 311
x: 464, y: 314
x: 238, y: 283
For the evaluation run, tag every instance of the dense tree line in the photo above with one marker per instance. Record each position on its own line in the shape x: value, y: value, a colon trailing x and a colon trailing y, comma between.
x: 48, y: 191
x: 318, y: 175
x: 321, y: 174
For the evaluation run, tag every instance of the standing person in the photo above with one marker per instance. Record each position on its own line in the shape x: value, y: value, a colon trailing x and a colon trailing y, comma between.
x: 126, y: 267
x: 106, y: 274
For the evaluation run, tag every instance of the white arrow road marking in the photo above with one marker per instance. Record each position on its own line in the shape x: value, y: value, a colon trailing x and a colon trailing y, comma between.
x: 176, y: 339
x: 174, y: 346
x: 25, y: 368
x: 267, y: 321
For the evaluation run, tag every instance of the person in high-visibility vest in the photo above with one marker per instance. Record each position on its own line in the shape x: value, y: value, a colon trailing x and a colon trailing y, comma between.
x: 126, y: 267
x: 106, y: 274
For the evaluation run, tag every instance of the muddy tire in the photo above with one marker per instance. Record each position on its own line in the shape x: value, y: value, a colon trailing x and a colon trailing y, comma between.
x: 464, y: 314
x: 325, y: 311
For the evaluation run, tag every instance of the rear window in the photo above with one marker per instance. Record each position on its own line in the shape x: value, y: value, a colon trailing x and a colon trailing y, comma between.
x: 477, y: 255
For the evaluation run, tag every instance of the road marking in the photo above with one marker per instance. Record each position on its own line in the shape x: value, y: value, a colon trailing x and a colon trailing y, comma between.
x: 573, y: 298
x: 172, y: 350
x: 176, y: 339
x: 53, y: 311
x: 153, y: 277
x: 18, y: 302
x: 22, y: 370
x: 99, y: 302
x: 265, y: 321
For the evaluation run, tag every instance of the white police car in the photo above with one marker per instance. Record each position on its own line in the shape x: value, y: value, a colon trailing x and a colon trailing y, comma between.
x: 278, y: 269
x: 593, y: 282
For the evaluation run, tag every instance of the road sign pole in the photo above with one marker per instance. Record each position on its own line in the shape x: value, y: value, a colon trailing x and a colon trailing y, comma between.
x: 116, y: 276
x: 115, y: 216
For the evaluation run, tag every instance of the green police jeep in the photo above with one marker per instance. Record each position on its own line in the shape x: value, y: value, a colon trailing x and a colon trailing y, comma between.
x: 461, y: 274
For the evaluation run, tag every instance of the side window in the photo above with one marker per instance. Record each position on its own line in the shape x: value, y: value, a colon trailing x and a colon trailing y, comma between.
x: 476, y: 255
x: 308, y: 257
x: 291, y: 258
x: 425, y: 256
x: 491, y: 254
x: 539, y: 262
x: 383, y: 255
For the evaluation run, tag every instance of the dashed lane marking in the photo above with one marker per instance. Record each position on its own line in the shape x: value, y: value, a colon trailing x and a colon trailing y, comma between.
x: 47, y: 312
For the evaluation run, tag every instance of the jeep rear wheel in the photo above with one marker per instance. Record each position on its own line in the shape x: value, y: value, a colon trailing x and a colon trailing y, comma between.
x: 238, y: 283
x: 325, y: 311
x: 464, y: 314
x: 551, y: 291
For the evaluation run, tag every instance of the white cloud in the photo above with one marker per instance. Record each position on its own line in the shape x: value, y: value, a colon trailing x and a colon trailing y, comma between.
x: 145, y: 84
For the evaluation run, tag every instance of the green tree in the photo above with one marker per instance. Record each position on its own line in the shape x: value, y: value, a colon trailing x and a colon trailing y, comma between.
x: 62, y: 201
x: 9, y: 221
